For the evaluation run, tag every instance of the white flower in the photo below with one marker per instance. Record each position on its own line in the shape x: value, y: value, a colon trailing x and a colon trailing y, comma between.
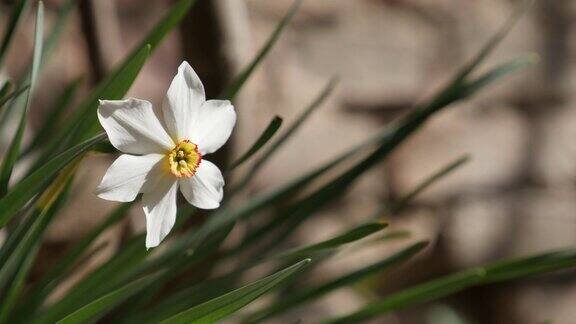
x: 165, y: 151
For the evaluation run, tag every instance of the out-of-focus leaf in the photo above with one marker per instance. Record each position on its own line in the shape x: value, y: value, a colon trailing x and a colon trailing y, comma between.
x: 499, y: 72
x: 13, y: 95
x: 10, y: 298
x: 349, y: 236
x: 18, y: 12
x: 500, y: 271
x: 314, y: 293
x: 232, y: 90
x: 103, y: 280
x: 493, y: 42
x: 388, y: 140
x: 83, y: 123
x: 278, y: 143
x: 104, y: 304
x: 6, y: 87
x: 64, y: 266
x: 14, y: 148
x: 55, y: 115
x: 272, y: 128
x: 57, y: 29
x: 446, y: 170
x: 30, y: 186
x: 223, y: 306
x: 13, y: 273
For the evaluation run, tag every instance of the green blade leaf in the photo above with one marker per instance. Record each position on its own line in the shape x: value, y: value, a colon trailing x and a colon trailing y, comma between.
x: 268, y: 153
x: 30, y: 186
x: 317, y: 292
x: 352, y: 235
x: 499, y: 72
x: 55, y: 116
x: 14, y: 272
x: 14, y: 148
x: 100, y: 282
x: 232, y: 90
x: 223, y: 306
x: 63, y: 267
x: 18, y: 12
x: 104, y: 304
x: 494, y: 41
x: 500, y: 271
x: 12, y: 95
x: 272, y: 128
x: 83, y: 123
x: 440, y: 174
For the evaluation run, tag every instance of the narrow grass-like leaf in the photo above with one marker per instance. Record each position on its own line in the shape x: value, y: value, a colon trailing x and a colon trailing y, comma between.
x: 11, y: 296
x: 12, y: 95
x: 499, y: 72
x: 30, y: 186
x: 272, y: 128
x: 55, y: 115
x: 104, y: 304
x: 349, y: 236
x: 100, y: 282
x: 12, y: 275
x: 317, y: 292
x: 494, y: 41
x: 223, y: 306
x: 14, y: 148
x: 64, y: 266
x: 440, y: 174
x: 278, y: 143
x: 83, y: 123
x: 18, y: 13
x: 6, y: 87
x: 500, y: 271
x: 232, y: 90
x: 57, y: 28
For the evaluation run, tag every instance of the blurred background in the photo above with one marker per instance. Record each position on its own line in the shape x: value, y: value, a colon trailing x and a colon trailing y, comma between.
x: 516, y: 195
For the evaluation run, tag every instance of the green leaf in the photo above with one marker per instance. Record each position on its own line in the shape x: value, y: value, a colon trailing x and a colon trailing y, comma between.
x: 232, y: 90
x: 14, y: 148
x: 223, y: 306
x: 83, y: 123
x: 14, y: 272
x: 278, y: 143
x: 18, y: 12
x: 12, y: 95
x: 317, y: 292
x: 499, y: 72
x: 63, y: 267
x: 494, y: 41
x: 16, y: 284
x: 496, y: 272
x: 104, y: 304
x: 100, y: 282
x: 55, y: 115
x: 272, y: 128
x: 57, y: 29
x: 349, y: 236
x: 30, y: 186
x: 440, y: 174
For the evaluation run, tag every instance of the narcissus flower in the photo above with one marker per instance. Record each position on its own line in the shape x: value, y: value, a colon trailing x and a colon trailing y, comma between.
x: 165, y: 151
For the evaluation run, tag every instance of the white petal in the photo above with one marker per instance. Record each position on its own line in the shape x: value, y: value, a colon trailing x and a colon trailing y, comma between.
x: 160, y: 209
x: 133, y: 127
x: 126, y: 176
x: 206, y: 188
x: 183, y: 101
x: 213, y: 126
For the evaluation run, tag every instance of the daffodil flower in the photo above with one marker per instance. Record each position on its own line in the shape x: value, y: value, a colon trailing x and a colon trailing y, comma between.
x: 165, y: 151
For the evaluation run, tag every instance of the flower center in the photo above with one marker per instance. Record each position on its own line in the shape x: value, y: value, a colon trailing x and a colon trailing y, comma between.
x: 184, y: 159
